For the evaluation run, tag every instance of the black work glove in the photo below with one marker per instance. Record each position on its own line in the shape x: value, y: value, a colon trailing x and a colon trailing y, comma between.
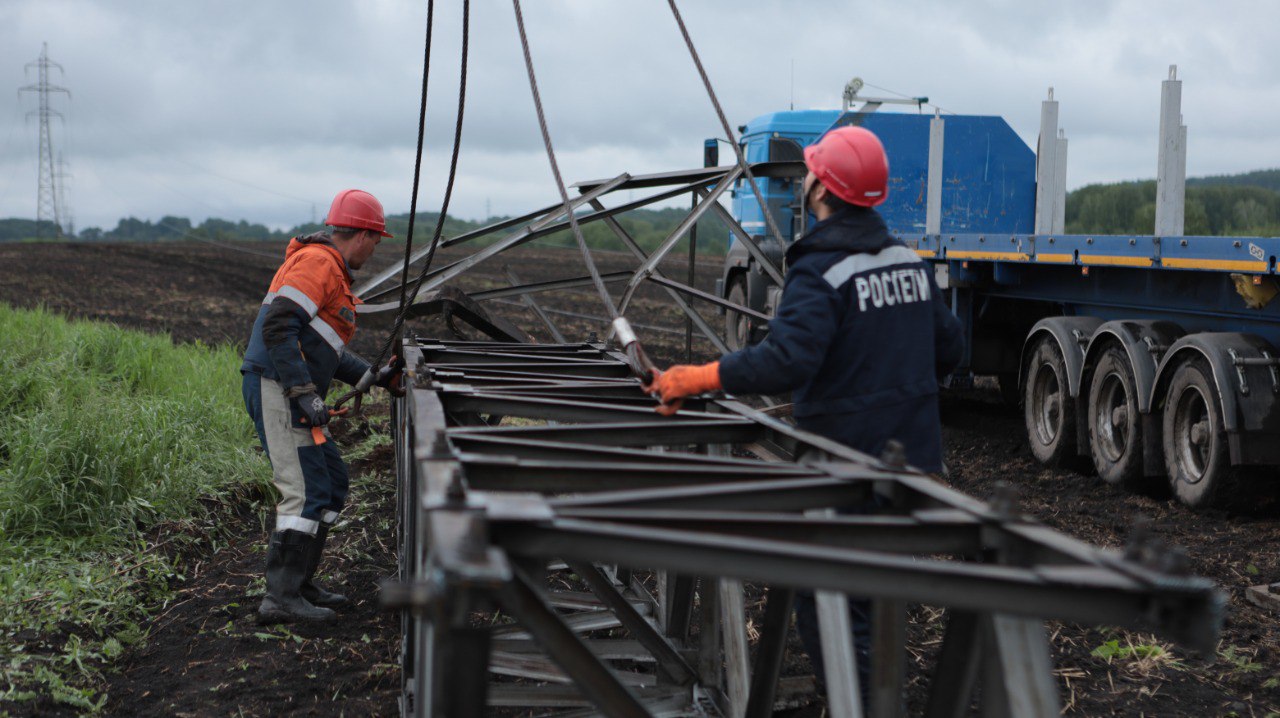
x: 313, y: 408
x: 391, y: 377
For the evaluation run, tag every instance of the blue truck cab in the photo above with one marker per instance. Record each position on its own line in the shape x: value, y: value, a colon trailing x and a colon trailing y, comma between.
x: 1153, y: 357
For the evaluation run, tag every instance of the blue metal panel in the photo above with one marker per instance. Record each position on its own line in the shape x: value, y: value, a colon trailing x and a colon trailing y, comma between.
x: 988, y: 172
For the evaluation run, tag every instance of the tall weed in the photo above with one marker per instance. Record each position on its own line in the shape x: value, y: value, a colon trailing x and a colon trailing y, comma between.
x: 105, y: 435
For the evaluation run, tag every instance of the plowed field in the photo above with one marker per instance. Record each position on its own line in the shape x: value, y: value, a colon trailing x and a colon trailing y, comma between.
x: 206, y: 656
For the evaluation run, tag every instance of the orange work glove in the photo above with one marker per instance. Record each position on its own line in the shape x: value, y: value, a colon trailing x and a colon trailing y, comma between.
x: 673, y: 385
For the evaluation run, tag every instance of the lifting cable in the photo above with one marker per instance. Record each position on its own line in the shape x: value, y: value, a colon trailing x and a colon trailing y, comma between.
x: 407, y: 299
x: 724, y: 122
x: 555, y: 171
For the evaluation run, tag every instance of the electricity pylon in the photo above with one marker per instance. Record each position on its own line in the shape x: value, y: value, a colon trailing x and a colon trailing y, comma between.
x: 68, y: 220
x: 47, y: 199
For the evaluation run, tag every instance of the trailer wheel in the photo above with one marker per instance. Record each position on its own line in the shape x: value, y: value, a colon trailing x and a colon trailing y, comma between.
x: 1115, y: 426
x: 1049, y: 410
x: 737, y: 326
x: 1195, y: 442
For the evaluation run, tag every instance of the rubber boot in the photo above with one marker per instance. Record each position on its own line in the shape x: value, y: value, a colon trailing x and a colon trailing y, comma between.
x: 286, y: 569
x: 314, y: 594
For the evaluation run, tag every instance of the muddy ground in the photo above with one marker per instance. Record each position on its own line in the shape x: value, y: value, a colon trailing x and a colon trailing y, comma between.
x: 206, y: 656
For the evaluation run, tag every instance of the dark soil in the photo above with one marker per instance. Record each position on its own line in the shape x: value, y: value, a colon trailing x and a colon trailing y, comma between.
x: 206, y: 656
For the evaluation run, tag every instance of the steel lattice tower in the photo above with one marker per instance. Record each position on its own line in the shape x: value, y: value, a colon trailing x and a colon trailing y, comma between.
x: 67, y: 221
x: 47, y: 199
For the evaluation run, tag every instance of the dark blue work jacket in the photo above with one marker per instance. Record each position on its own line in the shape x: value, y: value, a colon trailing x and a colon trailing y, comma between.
x: 862, y: 336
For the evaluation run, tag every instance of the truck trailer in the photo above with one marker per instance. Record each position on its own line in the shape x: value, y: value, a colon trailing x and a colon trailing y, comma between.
x: 1153, y: 356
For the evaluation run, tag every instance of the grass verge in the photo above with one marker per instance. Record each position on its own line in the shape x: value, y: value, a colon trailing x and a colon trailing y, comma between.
x: 113, y: 446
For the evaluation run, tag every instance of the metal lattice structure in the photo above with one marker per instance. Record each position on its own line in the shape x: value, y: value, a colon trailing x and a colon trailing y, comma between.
x: 542, y: 501
x: 706, y: 186
x: 48, y: 195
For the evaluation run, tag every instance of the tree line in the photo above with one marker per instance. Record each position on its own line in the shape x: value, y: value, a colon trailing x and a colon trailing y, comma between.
x: 1227, y: 205
x: 1246, y: 205
x: 649, y: 227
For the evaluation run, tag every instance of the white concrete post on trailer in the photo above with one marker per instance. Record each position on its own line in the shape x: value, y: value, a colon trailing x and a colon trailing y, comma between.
x: 1046, y: 165
x: 1171, y: 161
x: 933, y: 199
x: 1059, y: 225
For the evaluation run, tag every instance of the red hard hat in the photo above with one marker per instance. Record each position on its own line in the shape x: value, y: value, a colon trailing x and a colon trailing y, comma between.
x: 357, y: 209
x: 850, y: 161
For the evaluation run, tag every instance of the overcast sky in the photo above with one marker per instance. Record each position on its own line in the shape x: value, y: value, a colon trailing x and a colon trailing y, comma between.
x: 263, y: 110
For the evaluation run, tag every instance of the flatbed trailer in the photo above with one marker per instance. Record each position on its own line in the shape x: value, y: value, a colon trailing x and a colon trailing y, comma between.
x: 1154, y: 356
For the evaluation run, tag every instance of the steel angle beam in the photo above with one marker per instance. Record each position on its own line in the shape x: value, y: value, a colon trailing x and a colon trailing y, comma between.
x: 428, y: 345
x: 647, y: 267
x: 561, y: 409
x: 442, y: 275
x: 524, y: 381
x: 791, y: 494
x: 497, y: 473
x: 592, y: 677
x: 892, y: 534
x: 451, y: 302
x: 707, y: 330
x: 584, y: 369
x: 364, y: 289
x: 706, y: 297
x: 716, y: 431
x: 467, y: 357
x: 1098, y: 599
x: 702, y: 175
x: 522, y: 290
x: 436, y: 277
x: 589, y: 391
x: 481, y: 442
x: 462, y: 373
x: 766, y: 264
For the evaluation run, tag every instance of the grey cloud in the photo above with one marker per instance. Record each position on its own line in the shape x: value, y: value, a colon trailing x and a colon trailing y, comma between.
x: 312, y: 97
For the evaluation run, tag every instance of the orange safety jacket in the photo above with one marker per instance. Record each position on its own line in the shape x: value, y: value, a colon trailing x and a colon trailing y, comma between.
x: 306, y: 320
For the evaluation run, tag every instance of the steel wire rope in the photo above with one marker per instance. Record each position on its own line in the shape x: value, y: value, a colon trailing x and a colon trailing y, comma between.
x: 417, y: 161
x: 555, y: 169
x: 724, y: 122
x: 407, y: 301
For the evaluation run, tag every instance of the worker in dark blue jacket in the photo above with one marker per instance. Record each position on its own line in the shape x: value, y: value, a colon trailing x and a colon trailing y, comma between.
x: 861, y: 336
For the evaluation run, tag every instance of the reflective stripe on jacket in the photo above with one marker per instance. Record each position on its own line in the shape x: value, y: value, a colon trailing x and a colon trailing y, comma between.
x: 861, y: 336
x: 306, y: 320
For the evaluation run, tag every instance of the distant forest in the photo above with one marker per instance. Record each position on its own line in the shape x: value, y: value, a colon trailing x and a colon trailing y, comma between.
x: 1231, y: 205
x: 1228, y: 205
x: 647, y: 226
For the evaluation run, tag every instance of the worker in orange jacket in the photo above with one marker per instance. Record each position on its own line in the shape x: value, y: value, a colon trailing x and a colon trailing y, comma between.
x: 861, y: 336
x: 297, y: 348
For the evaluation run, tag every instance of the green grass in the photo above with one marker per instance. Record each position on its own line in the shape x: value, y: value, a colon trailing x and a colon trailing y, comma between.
x: 109, y: 441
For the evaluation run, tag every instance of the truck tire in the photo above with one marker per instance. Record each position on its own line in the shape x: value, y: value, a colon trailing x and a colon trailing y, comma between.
x: 1195, y: 442
x: 1115, y: 425
x: 737, y: 326
x: 1048, y: 409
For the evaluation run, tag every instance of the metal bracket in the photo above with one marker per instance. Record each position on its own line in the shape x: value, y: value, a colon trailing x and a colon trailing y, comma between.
x: 1155, y: 350
x: 1239, y: 363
